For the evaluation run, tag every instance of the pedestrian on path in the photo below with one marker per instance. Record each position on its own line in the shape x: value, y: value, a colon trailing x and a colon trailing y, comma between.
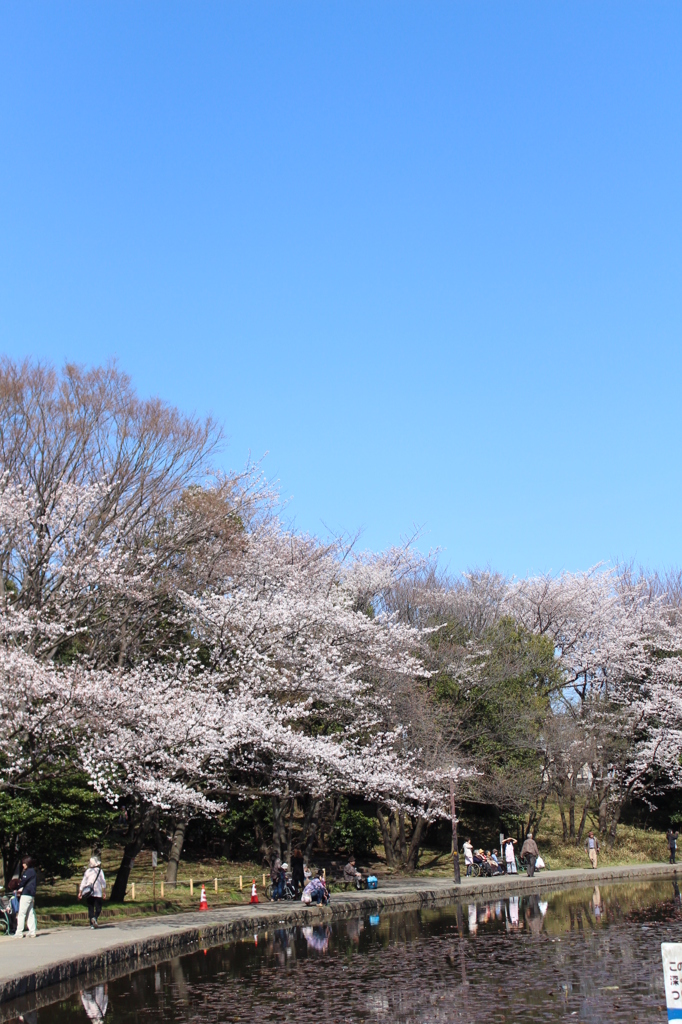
x: 510, y: 856
x: 592, y: 847
x: 468, y: 851
x: 672, y: 838
x: 93, y: 889
x: 530, y: 852
x: 26, y: 890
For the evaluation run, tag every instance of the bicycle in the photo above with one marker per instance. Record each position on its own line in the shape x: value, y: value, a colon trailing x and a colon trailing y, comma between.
x: 288, y: 894
x: 8, y: 919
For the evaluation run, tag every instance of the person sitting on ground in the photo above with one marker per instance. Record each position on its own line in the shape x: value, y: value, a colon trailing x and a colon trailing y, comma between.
x: 93, y: 887
x: 351, y: 875
x: 316, y: 891
x: 530, y: 853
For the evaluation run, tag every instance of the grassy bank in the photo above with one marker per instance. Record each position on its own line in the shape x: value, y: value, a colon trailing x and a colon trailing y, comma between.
x: 58, y: 904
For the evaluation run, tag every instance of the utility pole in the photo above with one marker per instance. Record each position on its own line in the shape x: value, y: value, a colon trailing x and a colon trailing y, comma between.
x: 455, y: 848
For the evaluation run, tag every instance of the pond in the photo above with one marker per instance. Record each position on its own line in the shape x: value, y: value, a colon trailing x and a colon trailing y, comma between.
x: 589, y: 955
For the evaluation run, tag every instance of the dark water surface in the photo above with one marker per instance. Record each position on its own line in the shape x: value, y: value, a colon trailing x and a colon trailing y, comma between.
x: 579, y: 955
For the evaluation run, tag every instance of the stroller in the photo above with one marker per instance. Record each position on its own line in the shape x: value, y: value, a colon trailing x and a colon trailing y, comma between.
x: 8, y: 914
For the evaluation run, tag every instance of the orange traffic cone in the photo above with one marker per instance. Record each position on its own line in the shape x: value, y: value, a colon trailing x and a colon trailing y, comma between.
x: 203, y: 905
x: 254, y: 894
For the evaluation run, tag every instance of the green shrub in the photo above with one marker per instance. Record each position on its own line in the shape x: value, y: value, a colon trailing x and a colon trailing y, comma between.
x: 354, y: 832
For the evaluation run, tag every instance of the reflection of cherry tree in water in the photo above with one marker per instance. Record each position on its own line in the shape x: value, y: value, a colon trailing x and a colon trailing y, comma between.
x: 426, y: 967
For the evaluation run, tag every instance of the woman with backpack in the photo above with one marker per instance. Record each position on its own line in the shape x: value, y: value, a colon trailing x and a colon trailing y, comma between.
x: 93, y: 889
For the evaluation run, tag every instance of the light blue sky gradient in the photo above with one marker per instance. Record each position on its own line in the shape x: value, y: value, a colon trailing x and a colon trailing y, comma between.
x: 427, y: 255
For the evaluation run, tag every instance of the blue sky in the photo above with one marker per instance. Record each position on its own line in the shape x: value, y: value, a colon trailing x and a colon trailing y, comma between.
x: 427, y: 255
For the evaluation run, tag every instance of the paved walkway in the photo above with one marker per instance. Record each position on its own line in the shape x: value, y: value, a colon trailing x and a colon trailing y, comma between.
x: 57, y: 956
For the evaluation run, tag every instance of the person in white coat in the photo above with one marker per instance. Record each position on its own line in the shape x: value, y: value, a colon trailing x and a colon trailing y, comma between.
x: 93, y: 888
x: 468, y: 851
x: 510, y: 857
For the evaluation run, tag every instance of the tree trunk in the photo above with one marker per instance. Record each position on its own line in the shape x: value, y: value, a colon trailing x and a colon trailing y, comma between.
x: 571, y: 812
x: 310, y: 827
x: 535, y: 817
x: 588, y: 801
x: 415, y: 844
x: 614, y: 824
x: 130, y: 852
x: 176, y: 850
x: 401, y: 835
x: 278, y: 810
x: 389, y: 849
x: 603, y: 811
x: 292, y: 807
x: 564, y: 826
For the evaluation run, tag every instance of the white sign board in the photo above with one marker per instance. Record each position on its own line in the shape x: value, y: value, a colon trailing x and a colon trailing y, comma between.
x: 672, y: 976
x: 155, y: 859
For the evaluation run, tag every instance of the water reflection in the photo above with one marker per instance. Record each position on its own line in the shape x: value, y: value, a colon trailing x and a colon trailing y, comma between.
x: 95, y: 1002
x: 592, y: 955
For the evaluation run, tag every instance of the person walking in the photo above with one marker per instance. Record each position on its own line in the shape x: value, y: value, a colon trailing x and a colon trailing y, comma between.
x: 468, y: 851
x: 672, y: 838
x: 510, y: 856
x: 26, y: 891
x: 592, y: 847
x: 93, y: 889
x: 530, y: 852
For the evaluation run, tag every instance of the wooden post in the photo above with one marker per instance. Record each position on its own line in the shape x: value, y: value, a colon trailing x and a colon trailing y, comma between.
x: 455, y: 847
x: 191, y: 887
x: 162, y: 888
x: 241, y: 885
x: 132, y: 887
x: 215, y: 880
x: 263, y: 881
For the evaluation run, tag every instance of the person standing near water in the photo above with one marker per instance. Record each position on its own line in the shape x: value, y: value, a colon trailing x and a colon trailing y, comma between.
x: 672, y: 838
x: 530, y: 851
x: 509, y: 856
x: 468, y: 851
x: 93, y: 887
x: 592, y: 847
x: 27, y: 889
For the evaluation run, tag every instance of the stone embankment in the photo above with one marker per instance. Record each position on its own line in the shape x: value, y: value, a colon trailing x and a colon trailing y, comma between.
x: 40, y: 971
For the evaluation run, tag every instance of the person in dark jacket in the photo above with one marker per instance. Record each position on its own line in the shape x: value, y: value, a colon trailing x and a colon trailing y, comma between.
x: 672, y: 836
x: 297, y: 876
x: 529, y: 853
x: 27, y: 897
